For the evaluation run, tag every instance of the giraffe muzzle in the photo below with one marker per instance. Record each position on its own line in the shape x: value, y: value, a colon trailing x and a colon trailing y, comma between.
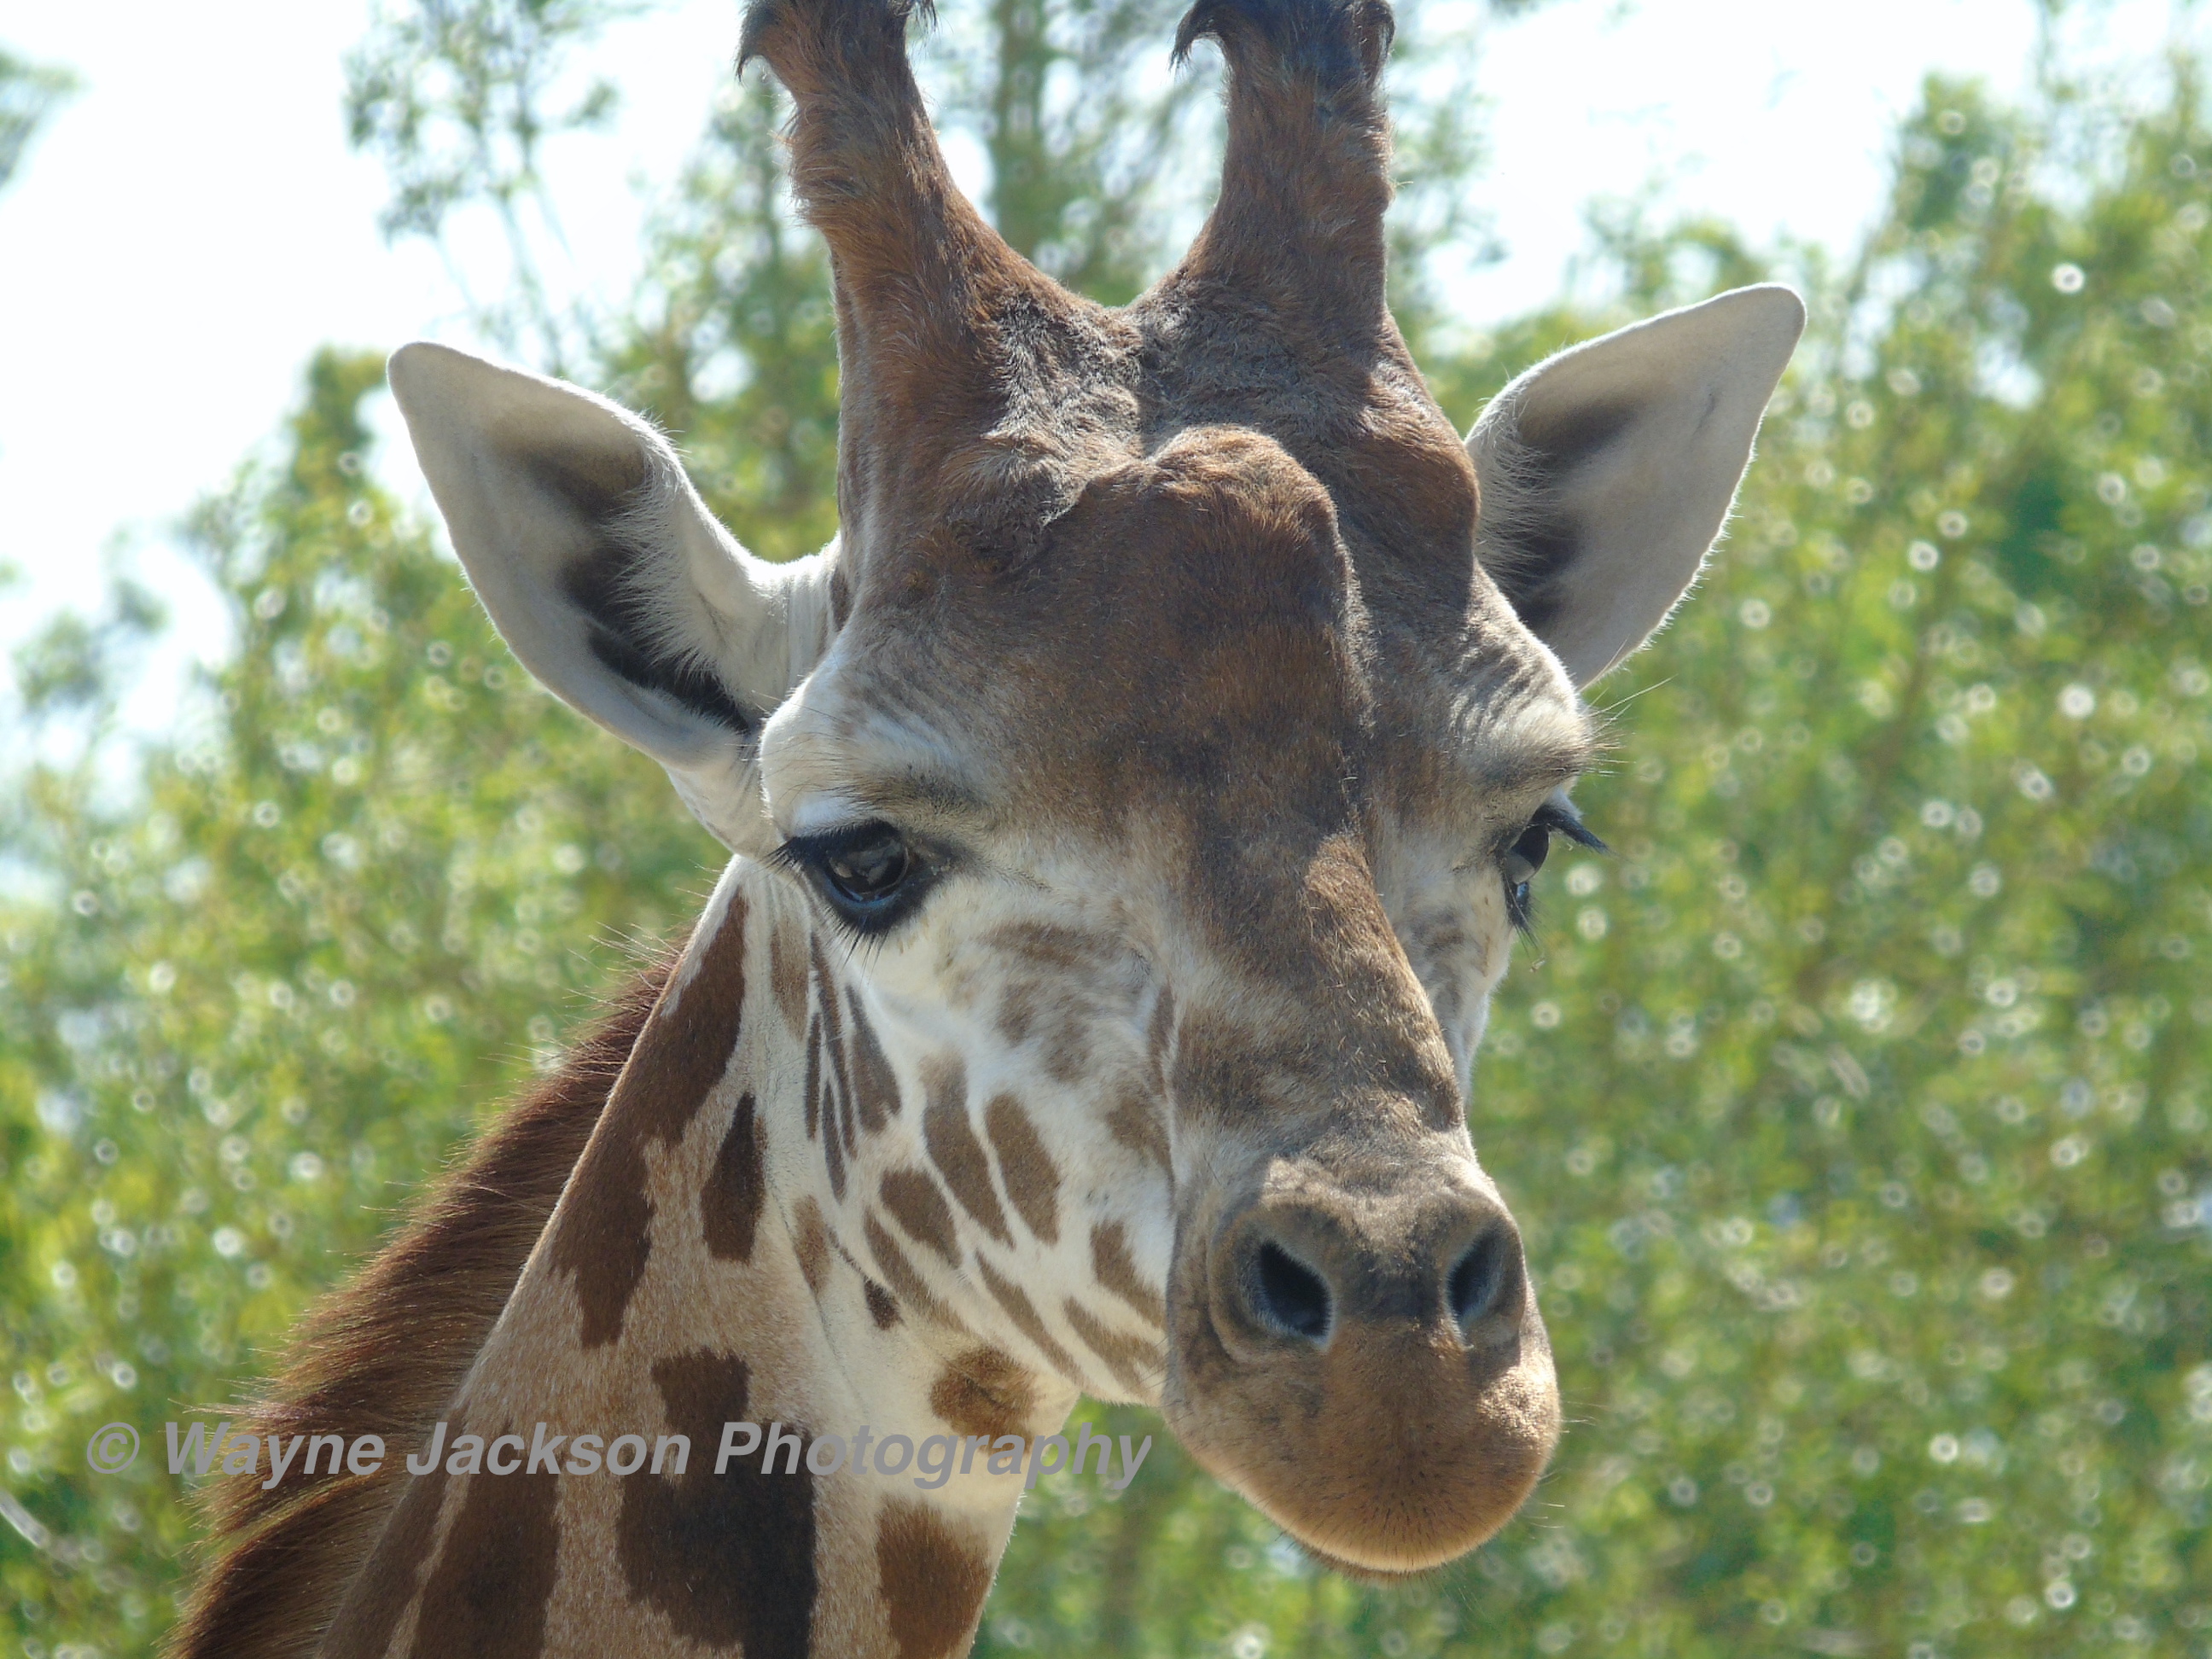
x: 1298, y: 1272
x: 1366, y: 1363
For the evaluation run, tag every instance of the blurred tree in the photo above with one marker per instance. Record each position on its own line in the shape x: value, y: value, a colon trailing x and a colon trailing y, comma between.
x: 454, y: 98
x: 733, y: 344
x: 1858, y: 1113
x: 28, y: 96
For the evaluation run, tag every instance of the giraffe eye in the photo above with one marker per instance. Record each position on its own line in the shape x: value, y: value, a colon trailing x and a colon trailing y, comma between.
x: 1519, y: 866
x: 870, y: 873
x: 1526, y: 856
x: 1520, y: 862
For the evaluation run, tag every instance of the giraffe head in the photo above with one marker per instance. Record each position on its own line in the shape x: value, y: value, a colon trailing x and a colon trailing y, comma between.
x: 1165, y: 749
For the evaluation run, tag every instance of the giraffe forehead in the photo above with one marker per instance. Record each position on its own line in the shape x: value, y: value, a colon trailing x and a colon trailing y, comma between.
x: 1190, y: 610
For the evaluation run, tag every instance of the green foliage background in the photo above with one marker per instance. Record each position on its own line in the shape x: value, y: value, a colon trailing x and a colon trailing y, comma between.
x: 1859, y: 1113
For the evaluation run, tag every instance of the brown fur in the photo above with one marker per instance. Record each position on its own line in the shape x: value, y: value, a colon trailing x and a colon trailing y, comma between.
x: 487, y: 1594
x: 1032, y: 1182
x: 956, y: 1152
x: 1019, y: 1309
x: 933, y: 1581
x: 385, y: 1351
x: 730, y: 1205
x: 905, y: 1282
x: 697, y: 1545
x: 601, y: 1237
x: 1135, y: 1362
x: 983, y: 1392
x: 811, y: 1243
x: 1116, y: 1270
x: 913, y: 1197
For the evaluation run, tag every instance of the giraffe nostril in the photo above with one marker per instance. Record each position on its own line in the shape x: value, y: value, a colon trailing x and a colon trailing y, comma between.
x: 1290, y: 1296
x: 1479, y: 1282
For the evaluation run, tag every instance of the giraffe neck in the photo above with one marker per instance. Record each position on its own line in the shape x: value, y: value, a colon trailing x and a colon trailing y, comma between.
x: 695, y: 1273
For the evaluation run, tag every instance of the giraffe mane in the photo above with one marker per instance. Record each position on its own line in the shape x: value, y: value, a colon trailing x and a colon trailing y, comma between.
x: 386, y: 1353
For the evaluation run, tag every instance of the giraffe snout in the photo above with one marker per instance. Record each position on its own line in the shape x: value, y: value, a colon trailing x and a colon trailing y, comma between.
x: 1304, y: 1269
x: 1364, y: 1360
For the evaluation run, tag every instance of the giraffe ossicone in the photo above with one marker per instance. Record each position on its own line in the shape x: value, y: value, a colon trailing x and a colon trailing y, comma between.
x: 1177, y: 723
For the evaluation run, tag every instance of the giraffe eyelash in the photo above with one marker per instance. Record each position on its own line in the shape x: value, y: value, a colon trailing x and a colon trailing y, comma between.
x: 870, y: 876
x: 1553, y: 818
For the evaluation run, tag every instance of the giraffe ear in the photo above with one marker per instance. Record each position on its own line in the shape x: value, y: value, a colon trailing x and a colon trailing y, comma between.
x: 1608, y: 471
x: 607, y: 576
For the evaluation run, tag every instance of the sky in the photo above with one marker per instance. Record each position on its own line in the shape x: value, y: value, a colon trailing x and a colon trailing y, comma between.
x: 195, y: 217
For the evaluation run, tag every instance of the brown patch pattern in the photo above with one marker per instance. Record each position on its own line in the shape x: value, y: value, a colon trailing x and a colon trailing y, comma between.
x: 730, y: 1205
x: 883, y: 1306
x: 1137, y: 1121
x: 813, y: 1088
x: 904, y: 1280
x: 727, y: 1559
x: 371, y: 1616
x: 913, y: 1197
x: 1116, y: 1270
x: 604, y: 1240
x: 786, y: 973
x: 933, y: 1584
x: 953, y: 1147
x: 875, y: 1084
x: 984, y: 1392
x: 1032, y: 1179
x: 486, y: 1596
x: 1137, y: 1363
x: 1024, y: 1313
x: 811, y: 1243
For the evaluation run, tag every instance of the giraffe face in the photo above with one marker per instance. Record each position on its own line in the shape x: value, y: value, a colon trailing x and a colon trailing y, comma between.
x: 1164, y: 748
x: 1198, y: 870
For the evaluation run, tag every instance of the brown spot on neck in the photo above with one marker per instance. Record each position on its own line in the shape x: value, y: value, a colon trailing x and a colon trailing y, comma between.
x: 604, y: 1238
x: 906, y: 1283
x: 1137, y: 1364
x: 1137, y: 1121
x: 875, y: 1085
x: 1032, y: 1179
x: 933, y: 1580
x: 1024, y: 1313
x: 495, y: 1573
x: 833, y: 1142
x: 839, y: 1136
x: 953, y: 1147
x: 883, y: 1306
x: 810, y: 1242
x: 1116, y: 1270
x: 786, y: 973
x: 913, y: 1197
x: 730, y: 1204
x: 984, y: 1392
x: 727, y: 1559
x: 813, y: 1089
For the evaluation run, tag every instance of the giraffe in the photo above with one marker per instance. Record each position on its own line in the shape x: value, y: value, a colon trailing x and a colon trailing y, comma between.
x: 1131, y: 814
